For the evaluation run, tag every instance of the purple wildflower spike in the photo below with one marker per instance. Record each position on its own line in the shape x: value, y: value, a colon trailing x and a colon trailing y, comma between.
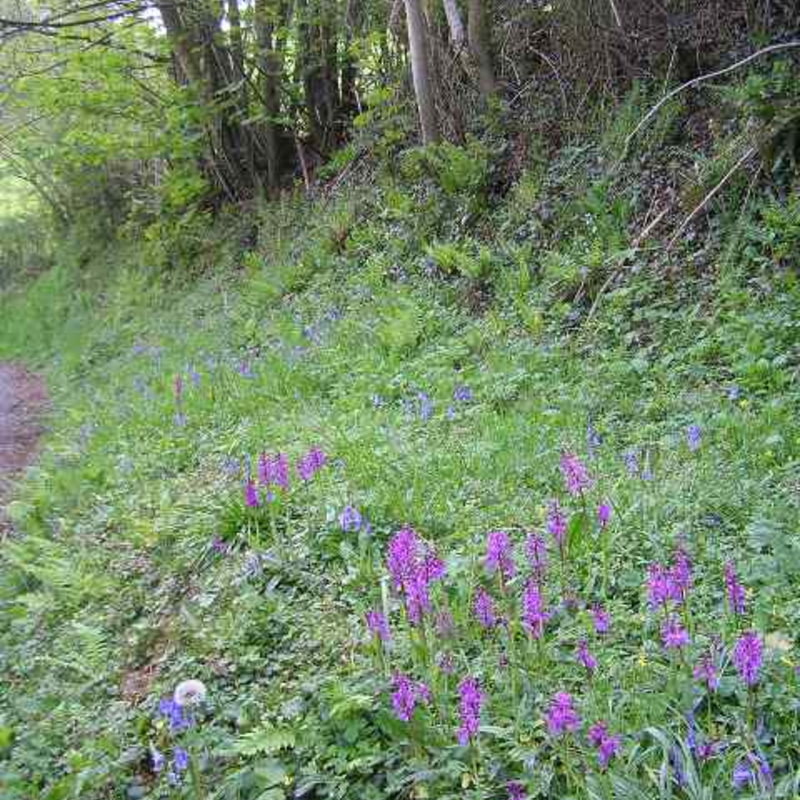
x: 401, y: 561
x: 561, y: 716
x: 609, y: 747
x: 533, y: 614
x: 499, y: 555
x: 412, y: 569
x: 705, y: 672
x: 681, y: 575
x: 250, y: 496
x: 661, y: 587
x: 576, y: 478
x: 536, y: 553
x: 734, y: 591
x: 469, y: 710
x: 600, y: 619
x: 603, y: 514
x: 515, y: 791
x: 377, y: 625
x: 405, y: 696
x: 273, y: 470
x: 673, y: 636
x: 747, y: 657
x: 311, y: 463
x: 584, y: 657
x: 483, y: 609
x: 556, y: 522
x: 596, y: 733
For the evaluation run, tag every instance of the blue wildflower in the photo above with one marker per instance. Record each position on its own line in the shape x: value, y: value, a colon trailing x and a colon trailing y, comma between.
x: 156, y: 759
x: 425, y: 406
x: 180, y: 759
x: 176, y: 717
x: 593, y: 440
x: 693, y: 437
x: 462, y: 394
x: 742, y: 775
x: 631, y: 463
x: 350, y: 519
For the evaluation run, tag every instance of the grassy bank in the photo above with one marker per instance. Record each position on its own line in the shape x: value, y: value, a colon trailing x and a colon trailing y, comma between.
x: 446, y: 346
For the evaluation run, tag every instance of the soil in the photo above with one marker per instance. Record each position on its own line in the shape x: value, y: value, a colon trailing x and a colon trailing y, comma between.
x: 22, y: 399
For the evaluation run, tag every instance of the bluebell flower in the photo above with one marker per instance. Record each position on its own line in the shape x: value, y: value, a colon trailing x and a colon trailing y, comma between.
x: 252, y: 565
x: 377, y: 401
x: 450, y: 413
x: 733, y: 392
x: 180, y: 759
x: 462, y: 394
x: 425, y: 406
x: 676, y: 762
x: 631, y: 463
x: 593, y: 440
x: 350, y: 519
x: 742, y: 775
x: 177, y: 718
x: 693, y: 437
x: 180, y: 420
x: 156, y: 759
x: 231, y: 467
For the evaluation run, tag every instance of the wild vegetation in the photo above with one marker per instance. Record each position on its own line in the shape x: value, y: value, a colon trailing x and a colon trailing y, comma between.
x: 459, y: 463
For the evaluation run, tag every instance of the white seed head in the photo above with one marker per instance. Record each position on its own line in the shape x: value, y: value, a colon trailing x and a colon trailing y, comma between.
x: 190, y: 693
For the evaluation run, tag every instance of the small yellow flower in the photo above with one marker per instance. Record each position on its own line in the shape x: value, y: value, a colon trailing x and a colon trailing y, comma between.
x: 743, y: 404
x: 642, y: 659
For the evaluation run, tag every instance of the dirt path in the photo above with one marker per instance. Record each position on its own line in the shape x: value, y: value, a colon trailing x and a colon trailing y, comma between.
x: 22, y: 398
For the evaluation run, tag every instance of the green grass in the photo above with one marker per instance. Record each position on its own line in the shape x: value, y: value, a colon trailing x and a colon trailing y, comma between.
x: 113, y: 592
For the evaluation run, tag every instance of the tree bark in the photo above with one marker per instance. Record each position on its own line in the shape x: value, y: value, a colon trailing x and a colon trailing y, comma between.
x: 420, y: 71
x: 269, y: 14
x: 480, y: 48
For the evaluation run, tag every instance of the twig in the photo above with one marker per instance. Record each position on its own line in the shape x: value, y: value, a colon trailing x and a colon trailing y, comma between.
x: 701, y: 79
x: 707, y: 199
x: 616, y: 13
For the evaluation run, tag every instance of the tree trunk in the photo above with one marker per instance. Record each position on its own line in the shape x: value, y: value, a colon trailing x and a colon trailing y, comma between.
x: 269, y: 15
x: 458, y: 36
x: 420, y: 71
x: 480, y: 48
x: 349, y: 104
x: 194, y: 33
x: 317, y: 69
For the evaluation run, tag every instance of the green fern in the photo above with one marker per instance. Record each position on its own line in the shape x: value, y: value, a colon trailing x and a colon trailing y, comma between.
x: 265, y: 740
